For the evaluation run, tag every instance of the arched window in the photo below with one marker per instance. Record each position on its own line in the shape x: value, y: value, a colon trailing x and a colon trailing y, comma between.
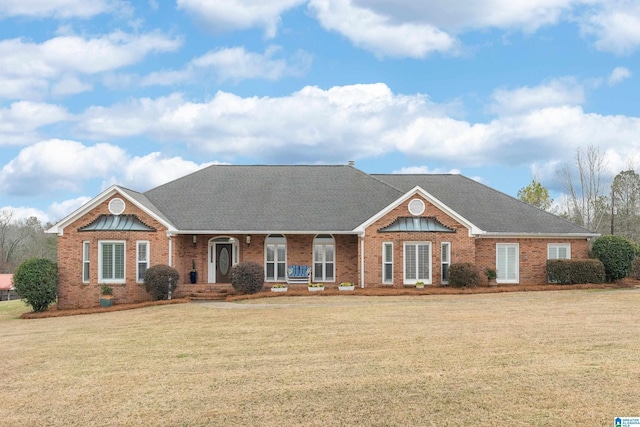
x: 275, y: 258
x: 324, y: 258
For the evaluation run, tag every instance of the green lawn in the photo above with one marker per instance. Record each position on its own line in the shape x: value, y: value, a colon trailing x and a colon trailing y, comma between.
x: 537, y: 358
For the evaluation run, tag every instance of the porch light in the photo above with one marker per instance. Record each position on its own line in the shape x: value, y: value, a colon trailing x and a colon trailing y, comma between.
x: 195, y: 240
x: 248, y: 240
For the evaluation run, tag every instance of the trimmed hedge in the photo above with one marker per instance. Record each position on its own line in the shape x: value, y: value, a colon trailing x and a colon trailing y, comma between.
x: 36, y: 281
x: 616, y: 253
x: 635, y: 269
x: 247, y: 277
x: 157, y: 280
x: 575, y: 271
x: 463, y: 274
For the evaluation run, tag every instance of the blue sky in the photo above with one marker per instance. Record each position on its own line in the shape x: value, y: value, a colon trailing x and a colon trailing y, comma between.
x: 97, y: 92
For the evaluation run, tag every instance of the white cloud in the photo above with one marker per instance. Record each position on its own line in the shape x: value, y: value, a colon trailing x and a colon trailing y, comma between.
x: 239, y: 14
x: 309, y: 124
x: 28, y: 69
x: 20, y: 122
x: 57, y: 8
x: 615, y: 26
x: 58, y: 165
x: 618, y: 75
x: 234, y: 64
x: 58, y: 210
x: 360, y: 121
x: 416, y: 170
x: 379, y: 33
x: 554, y: 93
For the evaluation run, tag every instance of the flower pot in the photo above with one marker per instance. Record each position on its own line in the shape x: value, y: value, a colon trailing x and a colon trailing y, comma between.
x: 315, y: 288
x: 284, y: 289
x: 193, y: 277
x: 347, y: 288
x: 106, y: 301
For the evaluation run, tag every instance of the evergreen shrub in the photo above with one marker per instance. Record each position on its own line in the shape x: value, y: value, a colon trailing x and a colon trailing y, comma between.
x: 247, y: 277
x: 157, y: 280
x: 36, y: 280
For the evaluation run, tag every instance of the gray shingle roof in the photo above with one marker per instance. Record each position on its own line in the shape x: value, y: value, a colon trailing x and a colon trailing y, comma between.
x: 329, y: 199
x: 489, y: 209
x: 272, y: 198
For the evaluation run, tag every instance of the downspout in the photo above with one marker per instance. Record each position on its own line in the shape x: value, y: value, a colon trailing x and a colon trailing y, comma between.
x: 361, y: 237
x: 170, y: 261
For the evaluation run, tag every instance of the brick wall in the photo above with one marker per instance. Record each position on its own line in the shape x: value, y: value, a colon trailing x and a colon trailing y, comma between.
x: 532, y: 255
x: 462, y: 246
x: 72, y: 292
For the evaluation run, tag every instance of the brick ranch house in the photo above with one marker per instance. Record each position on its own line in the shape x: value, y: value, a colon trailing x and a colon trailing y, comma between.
x: 347, y: 225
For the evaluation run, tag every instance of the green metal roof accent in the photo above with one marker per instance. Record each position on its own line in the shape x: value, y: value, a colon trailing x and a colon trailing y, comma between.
x: 416, y: 224
x: 117, y: 223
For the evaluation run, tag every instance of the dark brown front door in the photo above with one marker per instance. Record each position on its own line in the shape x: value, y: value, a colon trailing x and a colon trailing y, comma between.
x: 223, y: 263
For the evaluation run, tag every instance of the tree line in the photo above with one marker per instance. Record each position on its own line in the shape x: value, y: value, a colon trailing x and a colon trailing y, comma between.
x: 592, y: 197
x: 22, y: 239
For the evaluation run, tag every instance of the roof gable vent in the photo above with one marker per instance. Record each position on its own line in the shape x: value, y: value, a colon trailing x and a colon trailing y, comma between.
x: 116, y: 206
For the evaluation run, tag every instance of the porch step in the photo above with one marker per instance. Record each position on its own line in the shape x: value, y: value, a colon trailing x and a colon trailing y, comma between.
x: 216, y: 295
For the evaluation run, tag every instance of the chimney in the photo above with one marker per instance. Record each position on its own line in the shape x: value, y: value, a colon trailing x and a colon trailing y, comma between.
x: 352, y: 163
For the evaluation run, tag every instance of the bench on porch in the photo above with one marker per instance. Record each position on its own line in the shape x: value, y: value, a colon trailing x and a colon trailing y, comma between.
x: 298, y: 274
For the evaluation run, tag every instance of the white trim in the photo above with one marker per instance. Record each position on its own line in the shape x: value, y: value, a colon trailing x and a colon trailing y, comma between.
x: 517, y: 263
x: 426, y: 280
x: 58, y: 228
x: 494, y: 235
x: 86, y: 260
x: 442, y: 263
x: 417, y: 190
x: 138, y: 261
x: 385, y: 263
x: 361, y: 238
x: 276, y: 241
x: 213, y: 250
x: 557, y: 246
x: 124, y: 262
x: 324, y: 242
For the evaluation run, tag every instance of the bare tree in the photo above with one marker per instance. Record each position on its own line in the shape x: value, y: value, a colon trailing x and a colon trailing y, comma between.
x: 625, y: 192
x: 23, y: 239
x: 584, y: 182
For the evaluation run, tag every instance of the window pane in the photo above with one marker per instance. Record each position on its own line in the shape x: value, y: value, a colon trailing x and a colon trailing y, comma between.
x: 142, y: 251
x: 107, y: 261
x: 270, y: 253
x: 142, y: 268
x: 282, y: 257
x: 329, y: 253
x: 445, y: 252
x: 329, y: 271
x: 410, y: 262
x: 317, y: 253
x: 388, y: 272
x: 445, y: 269
x: 388, y: 252
x: 119, y: 260
x: 423, y: 262
x: 270, y: 271
x: 281, y: 271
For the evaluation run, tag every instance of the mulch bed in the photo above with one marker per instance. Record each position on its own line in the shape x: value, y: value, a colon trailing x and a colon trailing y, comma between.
x: 436, y: 290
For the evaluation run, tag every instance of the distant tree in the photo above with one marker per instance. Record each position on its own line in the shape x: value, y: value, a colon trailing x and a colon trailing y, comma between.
x: 625, y: 192
x: 22, y: 239
x: 536, y: 194
x: 584, y: 182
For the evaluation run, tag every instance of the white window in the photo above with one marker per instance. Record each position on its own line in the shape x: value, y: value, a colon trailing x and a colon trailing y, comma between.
x: 507, y: 263
x: 142, y: 257
x: 387, y: 262
x: 324, y: 255
x: 445, y: 260
x: 111, y: 263
x: 275, y: 264
x: 559, y: 251
x: 417, y: 262
x: 85, y: 262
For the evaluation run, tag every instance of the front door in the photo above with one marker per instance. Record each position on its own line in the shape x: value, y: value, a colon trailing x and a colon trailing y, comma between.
x: 223, y: 262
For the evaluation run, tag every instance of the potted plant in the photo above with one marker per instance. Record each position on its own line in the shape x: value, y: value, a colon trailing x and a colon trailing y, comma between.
x: 279, y: 288
x: 106, y: 296
x: 491, y: 275
x: 315, y: 287
x: 346, y: 286
x: 419, y: 285
x: 193, y: 274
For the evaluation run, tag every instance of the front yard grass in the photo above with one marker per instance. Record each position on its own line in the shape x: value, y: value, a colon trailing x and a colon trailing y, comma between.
x: 518, y: 359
